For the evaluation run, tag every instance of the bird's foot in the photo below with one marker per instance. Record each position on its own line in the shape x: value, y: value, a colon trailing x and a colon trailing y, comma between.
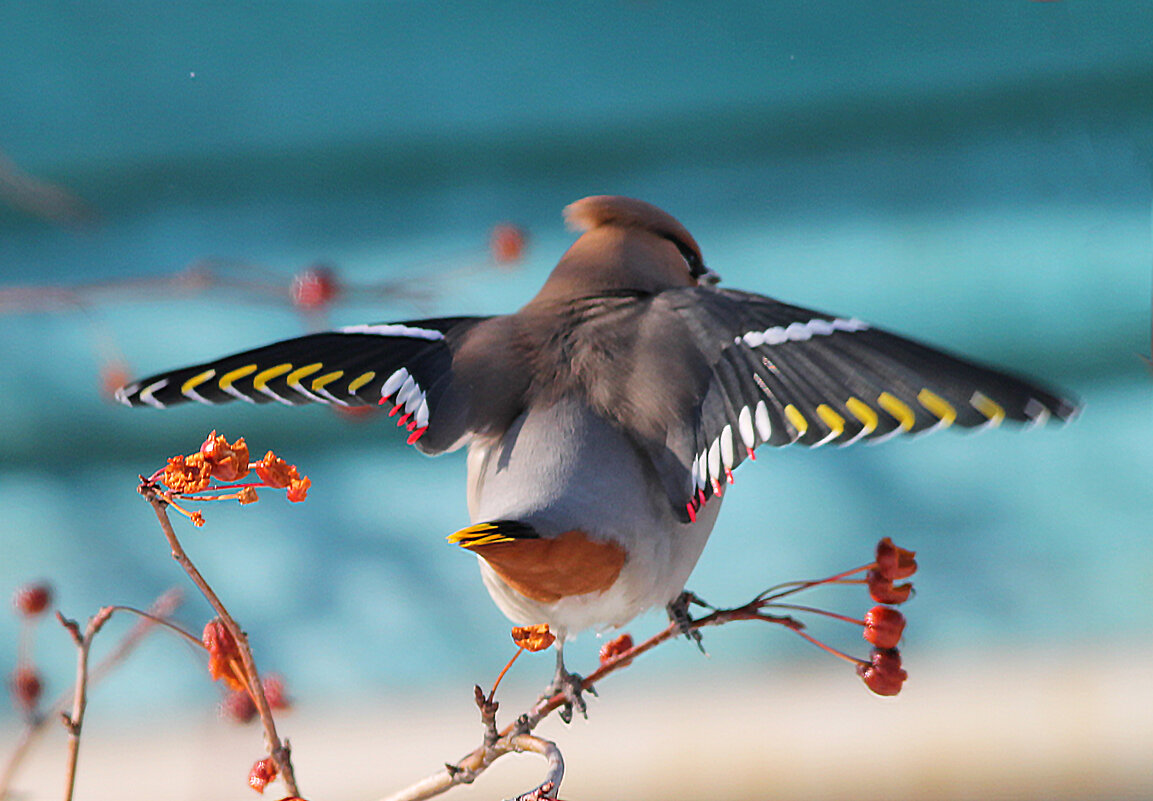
x: 679, y: 616
x: 571, y: 686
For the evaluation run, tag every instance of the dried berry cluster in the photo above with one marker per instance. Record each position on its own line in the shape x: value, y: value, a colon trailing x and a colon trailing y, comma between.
x: 190, y: 477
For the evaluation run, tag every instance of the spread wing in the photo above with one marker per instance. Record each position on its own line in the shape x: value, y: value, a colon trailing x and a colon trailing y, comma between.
x: 780, y: 374
x: 407, y: 366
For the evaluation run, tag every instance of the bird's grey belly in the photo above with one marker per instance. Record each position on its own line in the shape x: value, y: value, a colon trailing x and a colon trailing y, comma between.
x: 563, y: 468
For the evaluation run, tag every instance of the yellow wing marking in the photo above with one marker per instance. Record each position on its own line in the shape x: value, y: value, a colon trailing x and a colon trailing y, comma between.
x: 834, y: 421
x: 196, y: 381
x: 321, y: 381
x: 477, y: 535
x: 797, y: 419
x: 360, y: 381
x: 302, y: 372
x: 863, y: 412
x: 898, y: 409
x: 264, y: 376
x: 988, y: 407
x: 228, y: 378
x: 938, y: 406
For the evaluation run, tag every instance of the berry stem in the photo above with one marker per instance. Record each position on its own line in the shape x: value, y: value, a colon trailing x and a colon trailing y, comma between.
x: 773, y: 593
x: 830, y: 649
x: 496, y: 684
x: 814, y: 610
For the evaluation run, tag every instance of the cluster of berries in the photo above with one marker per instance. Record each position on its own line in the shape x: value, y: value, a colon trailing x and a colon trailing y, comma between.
x: 225, y: 664
x: 190, y: 477
x: 31, y: 602
x: 884, y: 625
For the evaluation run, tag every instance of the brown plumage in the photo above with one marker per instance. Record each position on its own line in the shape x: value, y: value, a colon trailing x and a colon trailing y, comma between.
x: 547, y: 570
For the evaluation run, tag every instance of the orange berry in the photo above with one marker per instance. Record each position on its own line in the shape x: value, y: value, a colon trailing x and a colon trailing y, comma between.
x: 263, y: 772
x: 533, y: 638
x: 223, y: 654
x: 614, y: 648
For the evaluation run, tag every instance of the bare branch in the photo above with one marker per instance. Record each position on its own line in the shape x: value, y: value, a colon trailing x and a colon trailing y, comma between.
x: 548, y: 749
x: 161, y: 608
x: 74, y: 722
x: 278, y: 750
x: 516, y: 737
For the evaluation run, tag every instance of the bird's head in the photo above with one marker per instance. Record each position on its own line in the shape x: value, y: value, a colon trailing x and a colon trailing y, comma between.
x: 626, y: 245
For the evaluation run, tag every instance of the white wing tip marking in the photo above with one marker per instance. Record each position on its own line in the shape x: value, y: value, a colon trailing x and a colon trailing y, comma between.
x: 745, y: 427
x: 146, y: 393
x: 123, y: 394
x: 394, y: 330
x: 394, y: 382
x: 800, y: 331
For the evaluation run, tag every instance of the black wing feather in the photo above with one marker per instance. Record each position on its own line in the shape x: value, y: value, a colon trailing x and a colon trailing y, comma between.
x: 407, y: 366
x: 785, y: 374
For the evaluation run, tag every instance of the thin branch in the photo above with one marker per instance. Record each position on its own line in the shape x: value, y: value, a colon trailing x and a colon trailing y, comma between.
x: 162, y: 607
x: 279, y: 751
x: 516, y: 737
x: 74, y: 721
x: 548, y: 749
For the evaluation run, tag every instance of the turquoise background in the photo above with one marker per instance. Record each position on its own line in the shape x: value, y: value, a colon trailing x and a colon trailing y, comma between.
x: 974, y: 174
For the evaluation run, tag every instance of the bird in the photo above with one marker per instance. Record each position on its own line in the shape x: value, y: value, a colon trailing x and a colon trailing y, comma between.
x: 604, y: 419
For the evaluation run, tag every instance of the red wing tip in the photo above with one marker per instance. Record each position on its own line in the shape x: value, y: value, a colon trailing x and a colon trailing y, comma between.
x: 417, y: 434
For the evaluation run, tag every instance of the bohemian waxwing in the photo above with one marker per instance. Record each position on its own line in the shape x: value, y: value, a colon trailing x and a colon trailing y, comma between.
x: 604, y: 419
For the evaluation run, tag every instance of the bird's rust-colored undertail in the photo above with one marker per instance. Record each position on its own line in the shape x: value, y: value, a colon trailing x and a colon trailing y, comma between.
x: 549, y: 569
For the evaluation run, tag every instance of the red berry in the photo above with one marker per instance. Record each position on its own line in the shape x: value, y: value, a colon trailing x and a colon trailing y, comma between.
x: 884, y: 626
x: 238, y: 707
x: 895, y: 563
x: 263, y: 772
x: 32, y: 599
x: 883, y: 591
x: 507, y: 243
x: 883, y: 675
x: 274, y: 692
x: 314, y: 287
x: 26, y: 688
x: 614, y: 648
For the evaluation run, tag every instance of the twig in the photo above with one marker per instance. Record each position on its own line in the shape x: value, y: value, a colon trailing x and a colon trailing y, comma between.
x: 516, y: 736
x: 74, y: 721
x: 161, y: 608
x: 279, y: 751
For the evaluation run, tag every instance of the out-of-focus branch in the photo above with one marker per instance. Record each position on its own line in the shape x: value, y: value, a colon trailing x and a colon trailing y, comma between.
x: 74, y: 721
x: 40, y: 197
x: 161, y: 608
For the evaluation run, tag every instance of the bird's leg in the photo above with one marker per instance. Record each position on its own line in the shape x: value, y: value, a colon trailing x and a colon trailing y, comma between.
x: 569, y: 684
x: 679, y: 616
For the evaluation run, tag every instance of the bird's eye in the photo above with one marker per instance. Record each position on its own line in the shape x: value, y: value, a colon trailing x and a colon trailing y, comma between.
x: 692, y: 260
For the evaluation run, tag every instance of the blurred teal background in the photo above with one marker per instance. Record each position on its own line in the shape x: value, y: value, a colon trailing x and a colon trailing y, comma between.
x: 975, y: 174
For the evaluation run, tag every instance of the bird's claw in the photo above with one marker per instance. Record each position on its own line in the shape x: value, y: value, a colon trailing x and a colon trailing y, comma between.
x: 679, y: 616
x: 571, y: 686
